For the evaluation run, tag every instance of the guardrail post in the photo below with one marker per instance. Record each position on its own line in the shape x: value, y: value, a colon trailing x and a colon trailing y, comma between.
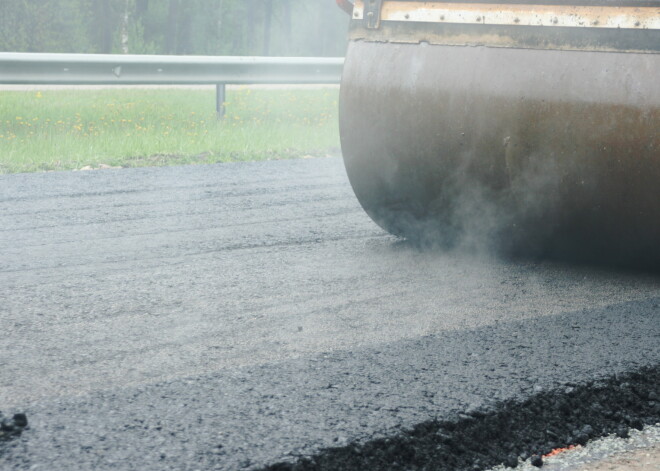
x: 220, y: 93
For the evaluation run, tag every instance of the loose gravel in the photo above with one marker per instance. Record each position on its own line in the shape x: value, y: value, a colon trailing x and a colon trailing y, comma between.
x: 644, y: 459
x: 641, y: 450
x: 12, y: 427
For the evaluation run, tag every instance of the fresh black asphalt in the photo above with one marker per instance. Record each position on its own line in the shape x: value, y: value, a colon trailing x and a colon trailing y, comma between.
x: 239, y: 316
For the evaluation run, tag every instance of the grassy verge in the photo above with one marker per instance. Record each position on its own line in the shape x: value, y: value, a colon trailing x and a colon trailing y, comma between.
x: 72, y: 129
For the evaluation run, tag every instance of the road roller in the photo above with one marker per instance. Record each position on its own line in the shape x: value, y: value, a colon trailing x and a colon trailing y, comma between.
x: 520, y: 127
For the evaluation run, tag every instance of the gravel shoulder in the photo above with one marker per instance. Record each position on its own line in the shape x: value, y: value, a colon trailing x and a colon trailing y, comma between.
x: 645, y: 459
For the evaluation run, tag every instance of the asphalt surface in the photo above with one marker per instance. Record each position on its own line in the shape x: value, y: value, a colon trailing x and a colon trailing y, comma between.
x: 240, y: 315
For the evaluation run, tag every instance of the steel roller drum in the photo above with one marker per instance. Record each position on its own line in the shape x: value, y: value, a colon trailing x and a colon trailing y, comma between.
x: 526, y: 129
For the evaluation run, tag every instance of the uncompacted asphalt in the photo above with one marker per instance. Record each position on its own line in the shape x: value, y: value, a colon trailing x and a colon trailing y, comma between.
x: 250, y: 316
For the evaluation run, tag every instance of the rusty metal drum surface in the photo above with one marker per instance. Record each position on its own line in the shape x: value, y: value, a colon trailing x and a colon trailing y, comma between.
x: 520, y: 138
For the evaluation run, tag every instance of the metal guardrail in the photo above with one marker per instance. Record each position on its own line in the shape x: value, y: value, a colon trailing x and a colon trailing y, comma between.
x: 111, y: 69
x: 102, y: 69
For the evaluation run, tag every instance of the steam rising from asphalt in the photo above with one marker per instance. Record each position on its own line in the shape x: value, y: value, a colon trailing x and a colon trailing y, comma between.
x: 522, y: 216
x: 539, y: 205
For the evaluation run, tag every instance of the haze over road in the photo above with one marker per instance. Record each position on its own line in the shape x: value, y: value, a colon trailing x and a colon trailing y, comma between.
x: 237, y: 315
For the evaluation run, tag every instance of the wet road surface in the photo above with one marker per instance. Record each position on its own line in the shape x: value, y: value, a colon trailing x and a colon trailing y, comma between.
x: 239, y: 315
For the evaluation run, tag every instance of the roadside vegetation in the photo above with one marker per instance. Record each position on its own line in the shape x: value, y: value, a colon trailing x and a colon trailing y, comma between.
x: 74, y: 129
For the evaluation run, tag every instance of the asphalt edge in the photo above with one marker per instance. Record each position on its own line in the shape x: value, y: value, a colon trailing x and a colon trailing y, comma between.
x: 572, y: 414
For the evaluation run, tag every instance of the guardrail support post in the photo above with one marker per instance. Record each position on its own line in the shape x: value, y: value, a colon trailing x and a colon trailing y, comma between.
x: 220, y: 93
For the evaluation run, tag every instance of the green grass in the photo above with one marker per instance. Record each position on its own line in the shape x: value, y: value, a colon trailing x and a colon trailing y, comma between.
x: 67, y: 129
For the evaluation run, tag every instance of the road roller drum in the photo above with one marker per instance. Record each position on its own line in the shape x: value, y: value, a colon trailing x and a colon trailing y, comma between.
x: 518, y: 128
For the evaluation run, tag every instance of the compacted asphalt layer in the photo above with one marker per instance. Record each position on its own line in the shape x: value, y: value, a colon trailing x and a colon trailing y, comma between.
x: 251, y: 316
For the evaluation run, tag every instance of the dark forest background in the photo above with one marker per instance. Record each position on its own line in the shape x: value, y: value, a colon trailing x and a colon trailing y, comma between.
x: 207, y: 27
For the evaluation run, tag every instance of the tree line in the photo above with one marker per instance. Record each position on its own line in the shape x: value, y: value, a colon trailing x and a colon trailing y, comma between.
x: 207, y: 27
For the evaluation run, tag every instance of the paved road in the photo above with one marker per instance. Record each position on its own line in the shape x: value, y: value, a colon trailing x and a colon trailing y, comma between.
x: 238, y: 315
